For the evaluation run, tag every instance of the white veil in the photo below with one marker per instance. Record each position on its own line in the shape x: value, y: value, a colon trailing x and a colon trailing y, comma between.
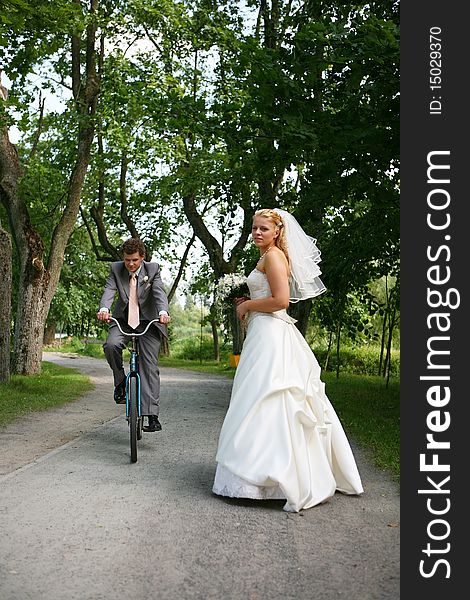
x: 304, y: 257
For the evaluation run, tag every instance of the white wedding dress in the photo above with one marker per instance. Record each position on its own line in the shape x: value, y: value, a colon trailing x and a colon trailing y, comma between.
x: 281, y: 437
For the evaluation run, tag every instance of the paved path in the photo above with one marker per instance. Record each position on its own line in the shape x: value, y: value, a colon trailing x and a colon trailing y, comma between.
x: 81, y: 522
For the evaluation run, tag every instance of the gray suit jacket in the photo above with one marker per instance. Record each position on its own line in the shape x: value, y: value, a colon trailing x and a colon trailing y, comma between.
x: 150, y: 292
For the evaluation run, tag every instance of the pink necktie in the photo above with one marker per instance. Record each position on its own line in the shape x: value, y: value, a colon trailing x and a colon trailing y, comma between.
x: 133, y: 318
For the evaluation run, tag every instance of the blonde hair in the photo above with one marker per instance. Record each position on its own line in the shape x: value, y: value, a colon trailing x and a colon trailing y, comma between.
x: 276, y: 219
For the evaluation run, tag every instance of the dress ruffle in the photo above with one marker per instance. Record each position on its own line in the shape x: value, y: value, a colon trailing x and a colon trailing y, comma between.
x: 281, y: 437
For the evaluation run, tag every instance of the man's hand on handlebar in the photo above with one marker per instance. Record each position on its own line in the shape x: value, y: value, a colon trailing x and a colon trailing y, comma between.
x: 104, y: 315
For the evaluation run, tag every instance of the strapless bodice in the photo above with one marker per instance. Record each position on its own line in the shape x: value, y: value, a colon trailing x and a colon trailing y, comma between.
x: 258, y: 285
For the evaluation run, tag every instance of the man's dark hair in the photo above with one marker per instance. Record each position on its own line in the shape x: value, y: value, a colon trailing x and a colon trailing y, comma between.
x: 133, y: 245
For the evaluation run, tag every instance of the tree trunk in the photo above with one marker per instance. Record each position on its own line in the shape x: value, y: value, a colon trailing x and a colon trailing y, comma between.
x: 389, y: 344
x: 49, y: 335
x: 30, y: 252
x: 215, y: 338
x: 38, y: 283
x: 382, y: 340
x: 33, y: 306
x: 328, y: 350
x: 164, y: 346
x: 238, y: 332
x: 218, y: 263
x: 301, y: 311
x: 338, y: 348
x: 5, y: 304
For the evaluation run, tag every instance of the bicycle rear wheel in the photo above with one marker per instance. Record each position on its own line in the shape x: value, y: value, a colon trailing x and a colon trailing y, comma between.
x: 133, y: 417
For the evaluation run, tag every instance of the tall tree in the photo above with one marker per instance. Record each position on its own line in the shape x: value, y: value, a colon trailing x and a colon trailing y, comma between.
x: 6, y: 259
x: 348, y: 191
x: 40, y: 266
x: 5, y: 303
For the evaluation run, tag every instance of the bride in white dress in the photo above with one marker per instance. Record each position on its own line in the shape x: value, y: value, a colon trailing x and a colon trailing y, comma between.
x: 281, y: 437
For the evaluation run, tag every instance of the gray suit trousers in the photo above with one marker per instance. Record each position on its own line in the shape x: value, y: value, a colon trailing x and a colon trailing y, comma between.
x: 149, y: 346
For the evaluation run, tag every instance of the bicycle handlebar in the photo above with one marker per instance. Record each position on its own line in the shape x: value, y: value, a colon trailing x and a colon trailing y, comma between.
x: 134, y: 333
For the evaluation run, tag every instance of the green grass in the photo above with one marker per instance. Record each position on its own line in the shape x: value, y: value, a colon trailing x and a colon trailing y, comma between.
x: 90, y: 348
x: 55, y: 386
x: 194, y: 365
x: 370, y: 413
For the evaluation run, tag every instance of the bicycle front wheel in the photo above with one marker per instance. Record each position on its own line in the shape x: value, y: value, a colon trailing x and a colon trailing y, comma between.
x: 133, y: 417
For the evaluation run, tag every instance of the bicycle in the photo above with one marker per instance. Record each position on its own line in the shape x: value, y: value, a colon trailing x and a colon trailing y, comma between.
x: 133, y: 412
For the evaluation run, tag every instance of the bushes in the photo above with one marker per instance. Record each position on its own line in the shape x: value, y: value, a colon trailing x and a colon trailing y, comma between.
x: 361, y: 360
x: 358, y: 360
x: 193, y: 348
x: 87, y: 347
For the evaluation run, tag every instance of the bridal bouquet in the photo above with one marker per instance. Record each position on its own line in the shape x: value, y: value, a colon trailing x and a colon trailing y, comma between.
x: 229, y: 287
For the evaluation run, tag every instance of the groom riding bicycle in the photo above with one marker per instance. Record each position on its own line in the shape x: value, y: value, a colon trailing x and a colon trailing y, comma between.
x: 141, y: 298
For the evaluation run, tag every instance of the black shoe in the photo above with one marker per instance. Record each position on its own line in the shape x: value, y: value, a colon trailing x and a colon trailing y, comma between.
x: 120, y: 393
x: 153, y: 424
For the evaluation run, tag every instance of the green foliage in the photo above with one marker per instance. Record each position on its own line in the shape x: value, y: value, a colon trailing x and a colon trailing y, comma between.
x: 195, y: 102
x: 33, y: 30
x: 194, y: 348
x: 75, y: 303
x: 186, y: 321
x: 83, y: 346
x: 362, y: 360
x: 347, y: 55
x: 361, y: 313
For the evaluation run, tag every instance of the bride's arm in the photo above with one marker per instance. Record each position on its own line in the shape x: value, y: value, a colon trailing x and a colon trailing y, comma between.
x: 275, y: 264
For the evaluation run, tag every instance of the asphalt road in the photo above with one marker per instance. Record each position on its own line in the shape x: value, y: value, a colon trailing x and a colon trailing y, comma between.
x: 79, y: 521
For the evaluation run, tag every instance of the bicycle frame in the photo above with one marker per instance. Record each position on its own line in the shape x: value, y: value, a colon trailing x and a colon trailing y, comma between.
x: 134, y: 360
x: 133, y: 372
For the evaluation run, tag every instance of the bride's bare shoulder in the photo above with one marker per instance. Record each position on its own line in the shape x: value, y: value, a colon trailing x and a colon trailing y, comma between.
x: 276, y: 258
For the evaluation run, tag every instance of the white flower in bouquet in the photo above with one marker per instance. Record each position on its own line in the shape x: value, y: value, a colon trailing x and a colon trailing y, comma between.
x: 229, y: 287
